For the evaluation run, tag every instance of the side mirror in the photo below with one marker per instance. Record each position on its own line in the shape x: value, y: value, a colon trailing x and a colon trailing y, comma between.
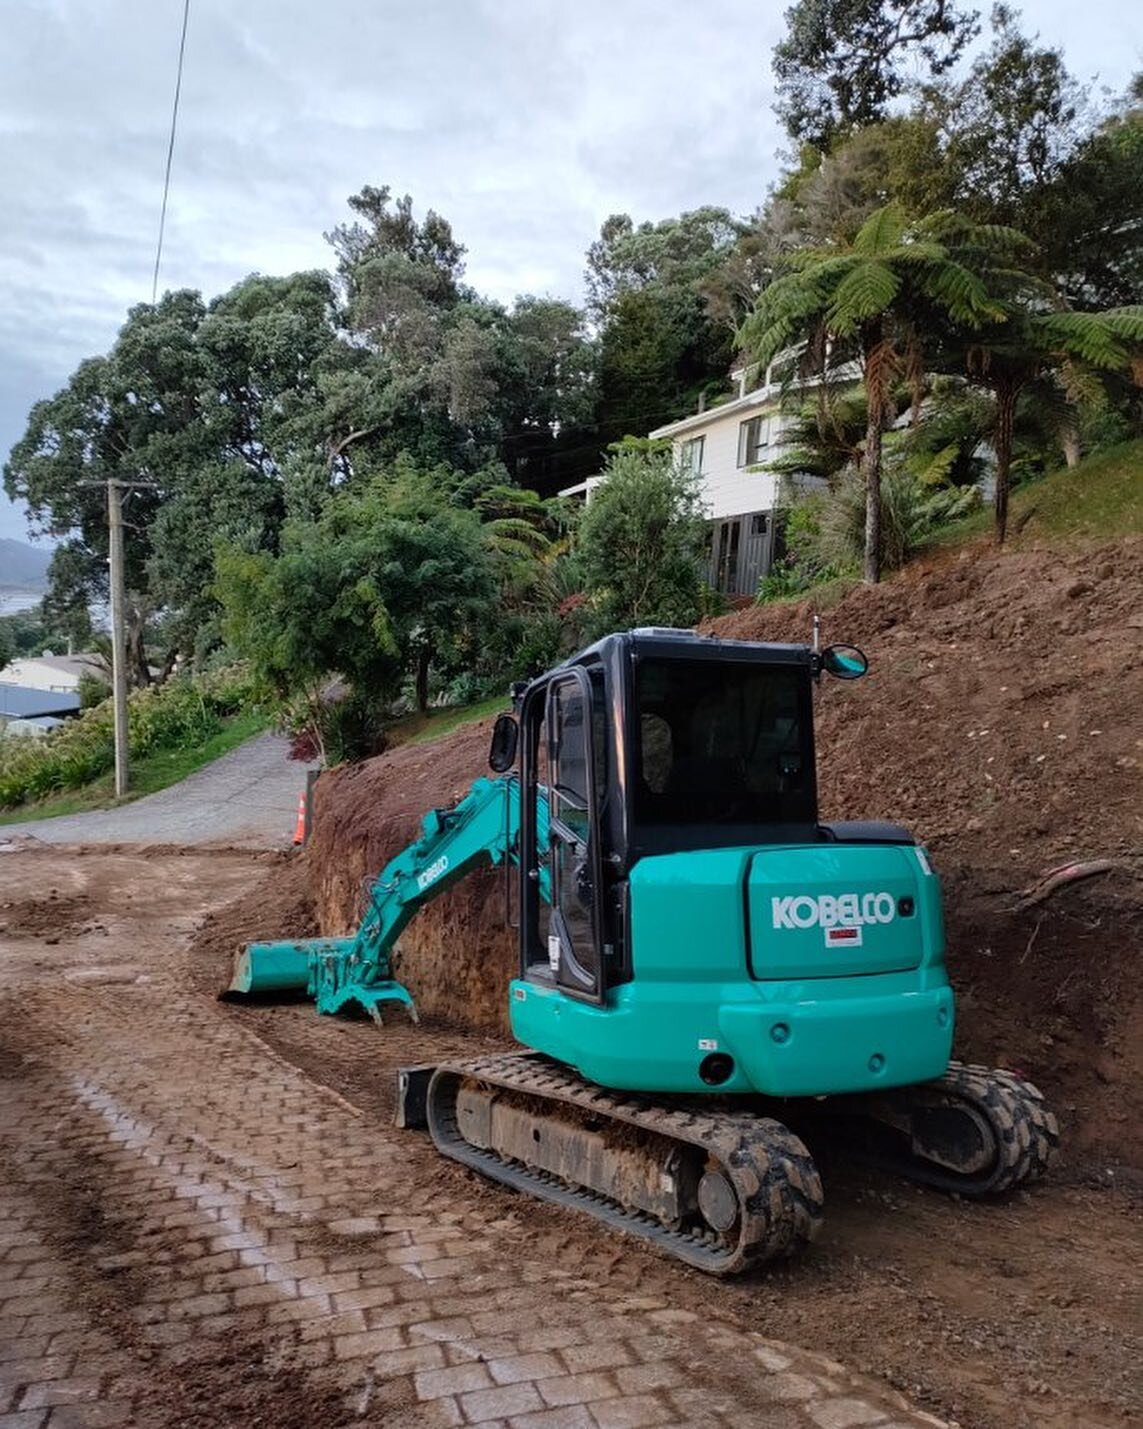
x: 505, y: 737
x: 847, y: 662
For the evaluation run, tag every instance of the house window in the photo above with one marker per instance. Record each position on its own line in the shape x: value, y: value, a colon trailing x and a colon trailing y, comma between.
x: 690, y: 455
x: 758, y: 524
x: 753, y: 439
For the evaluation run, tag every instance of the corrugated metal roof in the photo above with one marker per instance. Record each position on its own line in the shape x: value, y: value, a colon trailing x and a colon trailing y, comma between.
x: 18, y: 702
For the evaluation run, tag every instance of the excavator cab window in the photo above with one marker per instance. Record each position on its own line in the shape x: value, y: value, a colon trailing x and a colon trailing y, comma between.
x: 722, y: 742
x: 573, y: 944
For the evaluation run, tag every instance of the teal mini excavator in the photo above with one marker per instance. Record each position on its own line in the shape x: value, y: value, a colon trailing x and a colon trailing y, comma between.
x: 704, y: 962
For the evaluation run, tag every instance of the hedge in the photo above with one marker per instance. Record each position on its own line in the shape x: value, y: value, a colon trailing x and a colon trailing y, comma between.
x: 179, y: 713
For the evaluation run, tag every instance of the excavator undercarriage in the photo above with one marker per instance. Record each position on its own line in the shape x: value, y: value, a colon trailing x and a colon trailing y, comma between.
x: 722, y: 1186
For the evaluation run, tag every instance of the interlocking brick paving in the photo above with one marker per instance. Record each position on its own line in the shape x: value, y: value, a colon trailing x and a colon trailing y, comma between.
x: 193, y: 1232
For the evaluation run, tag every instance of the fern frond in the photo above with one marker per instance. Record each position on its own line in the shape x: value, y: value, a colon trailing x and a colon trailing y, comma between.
x: 1085, y: 335
x: 962, y: 293
x: 883, y: 229
x: 865, y: 291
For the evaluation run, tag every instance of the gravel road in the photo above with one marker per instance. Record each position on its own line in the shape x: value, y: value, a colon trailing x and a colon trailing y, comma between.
x: 247, y: 799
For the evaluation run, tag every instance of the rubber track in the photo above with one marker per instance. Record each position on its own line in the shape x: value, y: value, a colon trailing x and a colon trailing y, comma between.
x: 1027, y: 1134
x: 777, y: 1184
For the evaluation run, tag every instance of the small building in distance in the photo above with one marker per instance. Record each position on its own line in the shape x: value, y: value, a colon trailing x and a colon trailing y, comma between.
x: 729, y: 446
x: 58, y: 673
x: 33, y: 712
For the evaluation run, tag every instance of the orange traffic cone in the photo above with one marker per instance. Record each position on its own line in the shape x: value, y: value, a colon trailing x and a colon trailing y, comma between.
x: 300, y: 826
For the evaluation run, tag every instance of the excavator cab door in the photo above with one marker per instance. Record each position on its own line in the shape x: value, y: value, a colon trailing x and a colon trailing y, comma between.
x: 573, y: 850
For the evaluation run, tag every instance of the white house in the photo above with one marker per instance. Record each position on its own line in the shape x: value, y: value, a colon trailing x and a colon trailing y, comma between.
x: 728, y: 447
x: 60, y: 673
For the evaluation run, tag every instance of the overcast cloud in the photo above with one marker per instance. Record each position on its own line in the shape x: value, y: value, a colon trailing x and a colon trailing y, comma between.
x: 524, y: 122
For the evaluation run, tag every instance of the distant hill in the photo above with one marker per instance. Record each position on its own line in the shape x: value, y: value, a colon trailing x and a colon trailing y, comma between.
x: 23, y: 567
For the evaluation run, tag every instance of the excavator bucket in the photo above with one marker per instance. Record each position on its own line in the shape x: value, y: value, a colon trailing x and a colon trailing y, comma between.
x: 273, y: 967
x: 328, y: 969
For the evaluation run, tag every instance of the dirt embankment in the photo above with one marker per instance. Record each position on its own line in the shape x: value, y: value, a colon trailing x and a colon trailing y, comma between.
x: 1001, y: 721
x: 457, y: 956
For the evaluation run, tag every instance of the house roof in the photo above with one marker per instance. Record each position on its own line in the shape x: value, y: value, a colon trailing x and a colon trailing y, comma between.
x: 19, y: 702
x: 68, y: 664
x: 760, y: 397
x: 764, y: 396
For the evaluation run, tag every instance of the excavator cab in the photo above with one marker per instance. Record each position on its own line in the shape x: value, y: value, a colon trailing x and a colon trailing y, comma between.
x: 651, y: 742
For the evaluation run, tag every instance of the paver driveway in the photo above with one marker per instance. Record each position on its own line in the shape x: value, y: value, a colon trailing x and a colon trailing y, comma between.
x: 247, y: 799
x: 195, y: 1233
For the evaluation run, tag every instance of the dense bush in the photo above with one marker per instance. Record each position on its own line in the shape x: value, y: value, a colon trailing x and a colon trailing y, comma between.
x: 825, y: 532
x: 168, y: 716
x: 641, y: 543
x: 93, y: 690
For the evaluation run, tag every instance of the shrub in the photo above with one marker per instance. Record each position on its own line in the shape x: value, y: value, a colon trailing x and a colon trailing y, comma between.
x: 168, y: 716
x: 641, y: 543
x: 825, y: 532
x: 93, y: 689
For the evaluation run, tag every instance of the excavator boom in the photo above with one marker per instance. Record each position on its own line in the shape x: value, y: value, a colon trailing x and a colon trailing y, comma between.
x: 338, y: 972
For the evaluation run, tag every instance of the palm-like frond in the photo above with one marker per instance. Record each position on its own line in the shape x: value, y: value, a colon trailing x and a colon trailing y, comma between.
x: 882, y: 230
x: 866, y: 290
x: 516, y: 534
x: 1088, y: 336
x: 960, y: 292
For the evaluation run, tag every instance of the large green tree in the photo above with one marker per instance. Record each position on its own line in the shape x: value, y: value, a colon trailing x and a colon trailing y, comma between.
x: 662, y: 344
x: 877, y: 298
x: 232, y: 413
x: 393, y: 580
x: 842, y: 62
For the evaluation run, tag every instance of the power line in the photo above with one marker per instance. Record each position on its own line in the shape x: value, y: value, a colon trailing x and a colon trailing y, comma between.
x: 170, y: 151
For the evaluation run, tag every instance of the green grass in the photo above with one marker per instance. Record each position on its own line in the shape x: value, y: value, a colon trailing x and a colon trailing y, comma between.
x: 1099, y: 499
x: 148, y: 775
x: 1102, y: 496
x: 421, y: 728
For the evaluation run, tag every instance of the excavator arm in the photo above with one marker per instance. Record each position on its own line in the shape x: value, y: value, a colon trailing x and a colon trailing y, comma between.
x: 484, y: 828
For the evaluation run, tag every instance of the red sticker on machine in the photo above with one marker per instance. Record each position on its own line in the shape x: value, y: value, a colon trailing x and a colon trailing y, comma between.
x: 848, y: 937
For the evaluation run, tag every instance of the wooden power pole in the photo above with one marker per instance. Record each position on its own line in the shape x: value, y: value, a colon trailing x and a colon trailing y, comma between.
x: 118, y: 635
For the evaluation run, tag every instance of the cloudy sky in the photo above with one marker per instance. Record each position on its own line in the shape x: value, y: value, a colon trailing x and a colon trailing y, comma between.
x: 525, y: 122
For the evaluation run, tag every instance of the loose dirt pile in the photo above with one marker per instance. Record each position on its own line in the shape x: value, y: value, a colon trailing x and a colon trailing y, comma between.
x: 1000, y: 722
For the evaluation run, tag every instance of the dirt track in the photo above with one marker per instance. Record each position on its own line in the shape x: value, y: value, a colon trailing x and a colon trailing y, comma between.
x: 197, y: 1233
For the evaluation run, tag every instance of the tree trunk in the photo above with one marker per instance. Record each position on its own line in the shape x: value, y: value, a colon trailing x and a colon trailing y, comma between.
x: 875, y: 372
x: 169, y: 660
x: 1002, y: 440
x: 424, y: 658
x: 138, y: 670
x: 1070, y: 442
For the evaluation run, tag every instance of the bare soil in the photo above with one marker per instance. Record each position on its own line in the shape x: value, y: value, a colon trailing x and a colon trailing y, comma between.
x: 1023, y: 1314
